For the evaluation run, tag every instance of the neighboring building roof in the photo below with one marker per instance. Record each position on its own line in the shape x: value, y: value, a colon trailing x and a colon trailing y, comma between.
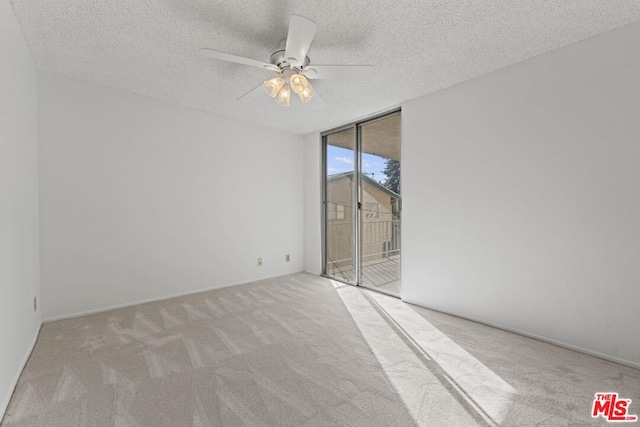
x: 367, y: 179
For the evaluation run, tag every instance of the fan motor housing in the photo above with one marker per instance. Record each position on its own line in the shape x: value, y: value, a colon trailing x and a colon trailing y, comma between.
x: 278, y: 59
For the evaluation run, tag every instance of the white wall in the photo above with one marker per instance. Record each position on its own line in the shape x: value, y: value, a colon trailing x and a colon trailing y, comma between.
x: 312, y: 204
x: 142, y: 199
x: 19, y: 265
x: 521, y: 197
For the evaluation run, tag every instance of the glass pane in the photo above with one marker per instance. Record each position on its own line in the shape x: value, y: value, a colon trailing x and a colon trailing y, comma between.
x: 381, y: 202
x: 340, y: 185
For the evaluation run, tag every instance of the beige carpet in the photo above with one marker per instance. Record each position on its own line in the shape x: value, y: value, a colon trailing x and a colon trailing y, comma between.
x: 302, y: 351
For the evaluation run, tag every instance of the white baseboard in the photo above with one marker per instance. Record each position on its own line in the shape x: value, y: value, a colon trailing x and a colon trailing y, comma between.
x: 597, y: 354
x: 7, y: 398
x: 154, y: 299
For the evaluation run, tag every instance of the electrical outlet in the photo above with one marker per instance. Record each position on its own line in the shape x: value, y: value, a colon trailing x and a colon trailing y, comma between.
x: 287, y: 258
x: 259, y: 262
x: 35, y: 303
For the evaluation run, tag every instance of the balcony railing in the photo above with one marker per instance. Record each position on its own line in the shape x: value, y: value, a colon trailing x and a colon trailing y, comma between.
x: 380, y: 241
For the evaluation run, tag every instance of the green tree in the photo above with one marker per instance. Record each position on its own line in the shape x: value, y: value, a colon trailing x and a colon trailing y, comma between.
x: 392, y: 171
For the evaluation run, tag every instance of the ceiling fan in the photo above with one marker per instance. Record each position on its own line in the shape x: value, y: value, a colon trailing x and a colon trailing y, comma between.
x: 293, y: 66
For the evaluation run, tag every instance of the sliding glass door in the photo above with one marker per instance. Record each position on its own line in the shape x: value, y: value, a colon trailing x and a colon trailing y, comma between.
x: 380, y: 202
x: 362, y: 203
x: 340, y: 215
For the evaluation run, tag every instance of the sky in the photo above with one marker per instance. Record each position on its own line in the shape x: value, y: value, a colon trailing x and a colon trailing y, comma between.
x: 341, y: 160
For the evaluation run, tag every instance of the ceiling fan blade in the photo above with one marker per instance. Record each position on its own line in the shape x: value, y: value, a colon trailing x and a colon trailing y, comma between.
x: 253, y: 93
x: 210, y: 53
x: 345, y: 72
x: 301, y: 33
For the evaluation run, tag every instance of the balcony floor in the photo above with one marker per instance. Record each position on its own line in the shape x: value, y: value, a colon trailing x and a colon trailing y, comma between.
x: 382, y: 274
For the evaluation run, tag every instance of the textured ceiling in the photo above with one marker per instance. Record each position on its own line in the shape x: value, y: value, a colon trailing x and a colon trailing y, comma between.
x: 150, y: 47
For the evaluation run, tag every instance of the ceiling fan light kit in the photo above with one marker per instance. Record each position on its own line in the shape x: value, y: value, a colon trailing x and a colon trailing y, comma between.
x: 284, y: 96
x: 298, y: 83
x: 293, y: 65
x: 280, y: 87
x: 306, y: 95
x: 273, y: 86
